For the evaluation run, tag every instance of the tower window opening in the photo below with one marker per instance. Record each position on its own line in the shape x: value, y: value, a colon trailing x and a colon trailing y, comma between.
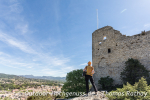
x: 109, y: 50
x: 100, y: 43
x: 104, y: 38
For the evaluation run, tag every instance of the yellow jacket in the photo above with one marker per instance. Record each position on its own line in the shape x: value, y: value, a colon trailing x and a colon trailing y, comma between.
x: 89, y: 70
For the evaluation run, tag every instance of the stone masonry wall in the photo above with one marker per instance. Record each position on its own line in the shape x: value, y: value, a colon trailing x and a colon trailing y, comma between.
x: 110, y: 50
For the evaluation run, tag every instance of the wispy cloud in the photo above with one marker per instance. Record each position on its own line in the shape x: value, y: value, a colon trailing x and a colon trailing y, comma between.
x: 83, y: 64
x: 46, y: 59
x: 59, y: 72
x: 22, y: 28
x: 123, y: 10
x: 10, y: 61
x: 41, y: 68
x: 37, y: 60
x: 147, y: 25
x: 16, y: 7
x: 14, y: 42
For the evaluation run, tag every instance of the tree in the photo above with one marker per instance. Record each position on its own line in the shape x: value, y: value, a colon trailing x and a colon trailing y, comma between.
x: 106, y: 83
x: 133, y: 71
x: 75, y: 82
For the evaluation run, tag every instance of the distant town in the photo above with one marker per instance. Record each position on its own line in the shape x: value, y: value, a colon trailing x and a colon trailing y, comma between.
x: 23, y: 94
x: 19, y: 88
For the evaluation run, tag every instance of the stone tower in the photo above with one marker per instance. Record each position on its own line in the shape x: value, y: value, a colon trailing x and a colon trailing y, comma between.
x: 111, y: 49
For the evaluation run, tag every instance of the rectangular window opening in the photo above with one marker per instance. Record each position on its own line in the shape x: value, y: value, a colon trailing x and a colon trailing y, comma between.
x: 109, y: 50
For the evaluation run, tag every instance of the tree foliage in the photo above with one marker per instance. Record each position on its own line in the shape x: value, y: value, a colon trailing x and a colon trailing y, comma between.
x: 75, y: 82
x: 106, y: 83
x: 133, y: 71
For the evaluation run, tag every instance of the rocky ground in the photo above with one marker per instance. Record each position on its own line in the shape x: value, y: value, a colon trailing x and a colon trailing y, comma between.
x: 91, y: 96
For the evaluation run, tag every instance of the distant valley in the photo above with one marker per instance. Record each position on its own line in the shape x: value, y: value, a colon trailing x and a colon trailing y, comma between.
x: 17, y: 85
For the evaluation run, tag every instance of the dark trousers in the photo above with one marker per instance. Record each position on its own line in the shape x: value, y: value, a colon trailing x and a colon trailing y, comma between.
x: 87, y: 77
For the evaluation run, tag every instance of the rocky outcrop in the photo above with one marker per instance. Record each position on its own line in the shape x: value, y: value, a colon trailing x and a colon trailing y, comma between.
x: 92, y: 96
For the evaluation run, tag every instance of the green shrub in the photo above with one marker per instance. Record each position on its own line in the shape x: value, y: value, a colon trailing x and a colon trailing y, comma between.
x: 117, y: 86
x: 131, y: 92
x: 42, y: 97
x: 30, y: 90
x: 106, y: 83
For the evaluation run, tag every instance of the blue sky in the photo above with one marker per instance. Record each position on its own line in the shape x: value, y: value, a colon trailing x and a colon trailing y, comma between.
x: 54, y: 37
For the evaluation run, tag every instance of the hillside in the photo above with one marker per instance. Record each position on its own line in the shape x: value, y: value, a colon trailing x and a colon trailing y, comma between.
x: 45, y: 77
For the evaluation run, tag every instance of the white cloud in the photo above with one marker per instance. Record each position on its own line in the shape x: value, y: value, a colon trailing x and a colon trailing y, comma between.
x: 44, y: 58
x: 51, y: 61
x: 84, y: 64
x: 4, y: 54
x: 22, y: 28
x: 38, y: 58
x: 14, y: 42
x: 147, y: 25
x: 16, y: 8
x: 11, y: 61
x: 62, y: 72
x: 123, y: 10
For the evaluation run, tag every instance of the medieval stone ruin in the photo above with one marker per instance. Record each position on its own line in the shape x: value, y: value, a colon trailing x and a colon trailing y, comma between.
x: 111, y: 49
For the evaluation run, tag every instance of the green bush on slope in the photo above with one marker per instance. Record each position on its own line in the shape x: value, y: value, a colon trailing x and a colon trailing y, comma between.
x: 106, y: 83
x: 139, y: 91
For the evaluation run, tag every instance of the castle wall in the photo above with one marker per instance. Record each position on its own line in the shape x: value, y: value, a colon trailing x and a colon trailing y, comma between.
x: 109, y: 55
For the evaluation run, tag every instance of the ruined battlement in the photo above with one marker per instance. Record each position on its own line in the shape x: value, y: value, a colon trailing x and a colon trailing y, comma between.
x: 110, y: 50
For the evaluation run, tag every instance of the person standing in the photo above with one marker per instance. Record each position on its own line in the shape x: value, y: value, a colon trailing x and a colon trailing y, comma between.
x: 89, y: 75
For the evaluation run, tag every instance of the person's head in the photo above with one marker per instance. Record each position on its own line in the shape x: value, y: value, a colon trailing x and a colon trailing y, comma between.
x: 89, y: 63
